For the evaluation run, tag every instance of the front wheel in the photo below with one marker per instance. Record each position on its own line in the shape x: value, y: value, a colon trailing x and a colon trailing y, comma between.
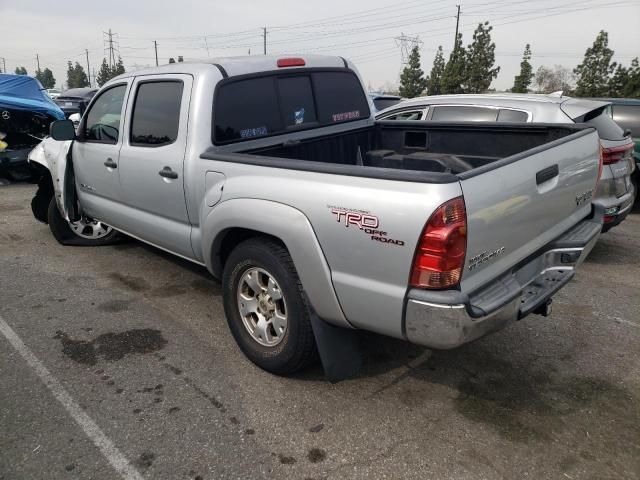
x: 85, y: 232
x: 265, y: 307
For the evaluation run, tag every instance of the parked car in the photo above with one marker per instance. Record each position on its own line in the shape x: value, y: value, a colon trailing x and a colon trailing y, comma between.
x: 26, y: 112
x: 75, y: 100
x: 626, y: 113
x: 383, y: 100
x: 53, y: 93
x: 273, y: 173
x: 616, y: 191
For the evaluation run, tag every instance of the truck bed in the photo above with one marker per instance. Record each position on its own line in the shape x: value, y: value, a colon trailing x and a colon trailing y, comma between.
x: 436, y: 147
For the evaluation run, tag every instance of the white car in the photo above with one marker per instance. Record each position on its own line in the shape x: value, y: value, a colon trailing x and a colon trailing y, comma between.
x: 616, y: 191
x: 53, y: 93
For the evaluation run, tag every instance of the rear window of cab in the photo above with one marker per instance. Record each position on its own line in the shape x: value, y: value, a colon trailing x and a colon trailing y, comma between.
x: 261, y: 106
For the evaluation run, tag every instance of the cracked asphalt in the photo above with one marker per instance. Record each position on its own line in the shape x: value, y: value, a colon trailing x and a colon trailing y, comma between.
x: 138, y: 340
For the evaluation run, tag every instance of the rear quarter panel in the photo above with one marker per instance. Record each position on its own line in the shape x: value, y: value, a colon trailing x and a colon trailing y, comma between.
x: 369, y: 276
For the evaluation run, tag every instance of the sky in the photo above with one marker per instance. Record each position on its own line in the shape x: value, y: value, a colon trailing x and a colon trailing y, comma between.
x: 559, y: 31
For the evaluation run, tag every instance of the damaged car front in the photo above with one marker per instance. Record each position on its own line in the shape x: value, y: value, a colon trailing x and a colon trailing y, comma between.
x: 26, y: 111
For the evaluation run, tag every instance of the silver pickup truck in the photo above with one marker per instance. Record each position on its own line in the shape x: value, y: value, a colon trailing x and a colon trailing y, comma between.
x: 273, y: 173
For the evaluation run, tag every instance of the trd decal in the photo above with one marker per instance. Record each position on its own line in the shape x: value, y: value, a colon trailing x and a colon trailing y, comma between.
x: 360, y: 220
x: 364, y: 221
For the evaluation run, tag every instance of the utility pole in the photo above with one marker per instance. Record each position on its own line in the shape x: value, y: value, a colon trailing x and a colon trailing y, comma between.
x: 38, y: 61
x: 264, y: 37
x: 455, y: 41
x: 155, y: 46
x: 88, y: 68
x: 206, y: 45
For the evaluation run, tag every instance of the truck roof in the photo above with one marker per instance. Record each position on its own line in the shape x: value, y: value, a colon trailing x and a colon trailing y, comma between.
x: 243, y: 65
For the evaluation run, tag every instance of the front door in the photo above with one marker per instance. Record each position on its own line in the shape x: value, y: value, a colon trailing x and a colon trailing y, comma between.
x: 96, y: 152
x: 152, y: 162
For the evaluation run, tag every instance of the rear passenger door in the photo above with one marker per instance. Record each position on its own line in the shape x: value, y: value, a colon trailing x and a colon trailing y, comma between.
x: 152, y: 162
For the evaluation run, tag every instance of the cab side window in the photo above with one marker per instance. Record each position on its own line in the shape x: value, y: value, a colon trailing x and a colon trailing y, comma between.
x: 407, y: 115
x: 156, y: 113
x: 461, y: 113
x: 517, y: 116
x: 103, y: 120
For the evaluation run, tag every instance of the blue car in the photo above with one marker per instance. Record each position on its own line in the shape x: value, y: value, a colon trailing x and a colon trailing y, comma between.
x: 25, y: 114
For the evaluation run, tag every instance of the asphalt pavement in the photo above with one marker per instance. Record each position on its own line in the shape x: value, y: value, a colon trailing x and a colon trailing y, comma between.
x: 116, y: 362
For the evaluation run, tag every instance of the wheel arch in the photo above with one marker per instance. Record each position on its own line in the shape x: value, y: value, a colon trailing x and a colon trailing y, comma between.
x: 40, y: 201
x: 236, y: 220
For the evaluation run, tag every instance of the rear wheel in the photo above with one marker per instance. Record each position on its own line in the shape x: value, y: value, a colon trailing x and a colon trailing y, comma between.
x: 85, y: 232
x: 265, y: 307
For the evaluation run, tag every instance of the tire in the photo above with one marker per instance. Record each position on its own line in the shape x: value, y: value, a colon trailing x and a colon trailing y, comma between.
x: 65, y: 234
x: 280, y: 353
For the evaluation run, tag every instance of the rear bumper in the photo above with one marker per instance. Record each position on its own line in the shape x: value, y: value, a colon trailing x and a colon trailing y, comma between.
x: 448, y: 319
x: 616, y: 214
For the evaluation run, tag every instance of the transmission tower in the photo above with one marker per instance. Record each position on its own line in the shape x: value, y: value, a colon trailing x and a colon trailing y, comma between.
x: 406, y: 44
x: 112, y: 48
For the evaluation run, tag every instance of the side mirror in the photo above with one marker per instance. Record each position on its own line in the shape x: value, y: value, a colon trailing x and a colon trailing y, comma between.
x: 62, y: 130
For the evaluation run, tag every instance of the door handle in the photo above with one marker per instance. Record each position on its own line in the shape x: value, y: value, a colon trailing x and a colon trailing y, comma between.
x: 166, y: 172
x: 110, y: 163
x: 547, y: 174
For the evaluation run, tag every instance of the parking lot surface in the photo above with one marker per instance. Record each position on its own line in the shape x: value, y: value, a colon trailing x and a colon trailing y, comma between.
x: 116, y: 362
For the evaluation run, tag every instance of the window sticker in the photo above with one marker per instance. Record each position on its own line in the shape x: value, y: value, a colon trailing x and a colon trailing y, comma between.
x: 341, y: 117
x: 298, y: 116
x: 253, y: 132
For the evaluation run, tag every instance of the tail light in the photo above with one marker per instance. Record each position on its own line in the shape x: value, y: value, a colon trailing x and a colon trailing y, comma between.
x: 615, y: 154
x: 291, y: 62
x: 440, y: 253
x: 600, y: 165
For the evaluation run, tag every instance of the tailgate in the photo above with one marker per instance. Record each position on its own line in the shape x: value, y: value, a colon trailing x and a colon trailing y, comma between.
x: 525, y: 202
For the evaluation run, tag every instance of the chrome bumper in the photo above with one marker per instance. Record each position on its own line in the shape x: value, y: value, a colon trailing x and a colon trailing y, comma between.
x: 448, y: 319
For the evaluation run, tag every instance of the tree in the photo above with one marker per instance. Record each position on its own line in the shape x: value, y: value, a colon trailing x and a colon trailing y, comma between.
x: 522, y: 81
x: 548, y: 80
x: 455, y: 73
x: 434, y: 82
x: 76, y: 77
x: 480, y: 57
x: 46, y: 78
x: 21, y: 71
x: 594, y: 71
x: 412, y: 81
x: 118, y: 68
x: 618, y: 81
x: 106, y: 72
x: 632, y: 86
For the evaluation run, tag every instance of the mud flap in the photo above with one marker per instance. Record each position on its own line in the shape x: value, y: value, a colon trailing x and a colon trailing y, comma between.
x: 338, y: 348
